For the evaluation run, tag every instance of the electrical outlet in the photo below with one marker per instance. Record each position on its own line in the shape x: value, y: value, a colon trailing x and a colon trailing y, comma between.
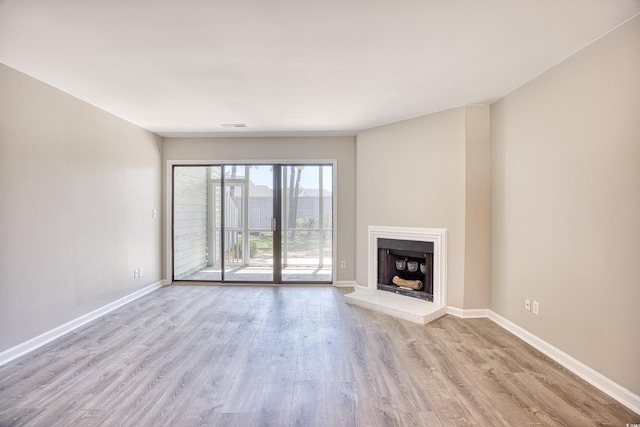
x: 140, y: 272
x: 527, y: 304
x: 343, y: 264
x: 536, y: 307
x: 135, y: 273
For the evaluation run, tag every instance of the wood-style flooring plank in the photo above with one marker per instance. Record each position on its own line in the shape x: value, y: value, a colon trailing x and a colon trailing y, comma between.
x: 268, y: 356
x: 309, y: 407
x: 342, y: 404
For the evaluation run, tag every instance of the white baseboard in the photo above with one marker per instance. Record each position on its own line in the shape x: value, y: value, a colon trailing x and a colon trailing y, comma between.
x: 596, y: 379
x: 27, y: 346
x: 345, y: 284
x: 475, y: 313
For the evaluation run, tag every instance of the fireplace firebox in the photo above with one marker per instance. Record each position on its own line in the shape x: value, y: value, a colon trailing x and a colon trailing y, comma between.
x: 405, y: 267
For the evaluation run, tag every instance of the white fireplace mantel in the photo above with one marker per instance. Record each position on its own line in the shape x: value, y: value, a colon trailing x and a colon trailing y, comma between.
x: 408, y: 308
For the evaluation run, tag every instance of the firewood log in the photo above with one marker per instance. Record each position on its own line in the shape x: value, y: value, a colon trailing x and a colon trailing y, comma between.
x: 411, y: 284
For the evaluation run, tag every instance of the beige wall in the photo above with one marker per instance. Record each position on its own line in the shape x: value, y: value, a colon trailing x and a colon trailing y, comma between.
x: 477, y: 260
x: 77, y: 189
x: 566, y: 205
x: 341, y: 149
x: 415, y: 173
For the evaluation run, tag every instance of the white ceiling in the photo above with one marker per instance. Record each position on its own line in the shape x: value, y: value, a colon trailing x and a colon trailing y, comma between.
x: 293, y: 67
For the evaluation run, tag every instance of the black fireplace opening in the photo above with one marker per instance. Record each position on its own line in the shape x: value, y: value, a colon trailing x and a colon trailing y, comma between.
x: 405, y: 267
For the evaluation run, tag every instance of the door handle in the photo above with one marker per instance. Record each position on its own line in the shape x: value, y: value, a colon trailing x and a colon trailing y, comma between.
x: 273, y: 224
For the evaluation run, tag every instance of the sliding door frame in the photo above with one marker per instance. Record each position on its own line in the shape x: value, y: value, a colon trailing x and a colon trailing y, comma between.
x: 169, y: 206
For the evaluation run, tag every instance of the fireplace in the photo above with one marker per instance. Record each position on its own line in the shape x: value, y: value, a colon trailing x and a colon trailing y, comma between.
x: 417, y: 310
x: 405, y: 267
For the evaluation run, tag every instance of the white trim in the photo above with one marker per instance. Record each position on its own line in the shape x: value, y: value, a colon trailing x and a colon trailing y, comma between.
x: 596, y: 379
x: 438, y: 236
x: 34, y: 343
x: 345, y: 284
x: 474, y: 313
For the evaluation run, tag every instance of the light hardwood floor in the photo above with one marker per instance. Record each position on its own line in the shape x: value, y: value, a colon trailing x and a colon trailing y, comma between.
x: 250, y: 356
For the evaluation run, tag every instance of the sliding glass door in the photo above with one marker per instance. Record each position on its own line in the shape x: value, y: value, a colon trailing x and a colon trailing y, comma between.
x: 307, y: 226
x: 252, y: 223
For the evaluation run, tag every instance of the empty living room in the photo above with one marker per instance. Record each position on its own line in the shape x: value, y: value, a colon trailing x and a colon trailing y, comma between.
x: 299, y: 213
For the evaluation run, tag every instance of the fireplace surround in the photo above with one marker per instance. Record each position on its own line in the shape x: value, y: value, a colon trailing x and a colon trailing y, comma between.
x: 413, y: 309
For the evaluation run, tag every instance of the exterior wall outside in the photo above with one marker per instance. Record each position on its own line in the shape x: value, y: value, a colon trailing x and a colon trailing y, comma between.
x: 565, y: 205
x: 78, y: 187
x: 190, y: 220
